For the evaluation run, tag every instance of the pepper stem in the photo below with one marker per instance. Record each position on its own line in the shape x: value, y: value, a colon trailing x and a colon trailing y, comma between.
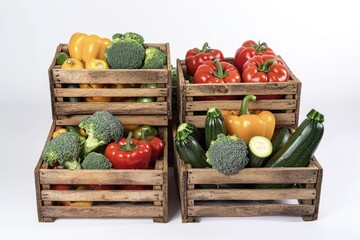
x: 315, y: 115
x: 219, y: 72
x: 244, y: 108
x: 266, y: 66
x: 143, y: 136
x: 260, y: 47
x: 205, y: 48
x: 128, y: 146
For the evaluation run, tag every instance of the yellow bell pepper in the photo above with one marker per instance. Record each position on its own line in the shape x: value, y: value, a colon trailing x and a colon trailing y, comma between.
x: 95, y: 64
x: 72, y: 63
x: 245, y: 125
x: 83, y: 46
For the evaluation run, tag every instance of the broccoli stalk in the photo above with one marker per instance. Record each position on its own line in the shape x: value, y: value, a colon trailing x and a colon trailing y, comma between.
x: 64, y: 149
x: 227, y: 154
x: 101, y: 128
x: 96, y: 161
x: 154, y: 58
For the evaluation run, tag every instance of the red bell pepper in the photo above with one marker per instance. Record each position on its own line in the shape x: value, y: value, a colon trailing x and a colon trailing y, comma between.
x: 129, y: 153
x: 248, y: 50
x: 156, y: 144
x: 265, y: 68
x: 195, y: 57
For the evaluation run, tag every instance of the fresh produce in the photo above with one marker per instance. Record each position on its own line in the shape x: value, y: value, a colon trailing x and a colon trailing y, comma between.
x: 129, y: 153
x: 214, y: 125
x: 129, y: 36
x: 147, y: 99
x: 148, y: 131
x: 72, y: 63
x: 246, y: 125
x: 302, y: 144
x: 84, y: 47
x: 96, y: 161
x: 189, y: 150
x: 58, y: 132
x: 64, y: 150
x: 216, y: 72
x: 72, y: 203
x: 156, y: 144
x: 130, y: 128
x: 154, y: 58
x: 280, y: 137
x: 189, y: 128
x: 195, y: 57
x: 248, y: 50
x: 260, y: 147
x: 125, y: 53
x: 227, y: 154
x: 76, y: 130
x: 101, y: 128
x: 61, y: 58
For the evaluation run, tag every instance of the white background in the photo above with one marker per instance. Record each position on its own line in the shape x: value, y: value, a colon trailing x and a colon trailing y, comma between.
x: 319, y: 40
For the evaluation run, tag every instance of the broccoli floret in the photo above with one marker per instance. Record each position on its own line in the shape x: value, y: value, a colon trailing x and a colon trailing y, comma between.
x: 227, y: 154
x: 154, y: 58
x: 96, y: 161
x: 101, y: 128
x: 117, y: 35
x: 64, y: 149
x: 129, y: 36
x: 125, y: 53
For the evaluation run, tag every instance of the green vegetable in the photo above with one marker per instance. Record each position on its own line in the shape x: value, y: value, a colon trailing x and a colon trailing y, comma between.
x: 227, y: 154
x: 64, y: 149
x: 192, y: 131
x: 61, y: 58
x: 96, y: 161
x: 173, y: 75
x: 101, y: 128
x: 129, y: 36
x: 301, y: 146
x: 77, y: 133
x: 125, y: 53
x: 214, y: 125
x: 260, y: 147
x: 147, y: 99
x: 189, y: 150
x: 72, y: 99
x: 280, y: 137
x: 154, y: 58
x: 148, y: 131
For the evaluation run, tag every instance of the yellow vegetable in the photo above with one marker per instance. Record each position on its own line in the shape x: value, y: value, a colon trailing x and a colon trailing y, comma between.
x: 59, y: 132
x: 72, y: 63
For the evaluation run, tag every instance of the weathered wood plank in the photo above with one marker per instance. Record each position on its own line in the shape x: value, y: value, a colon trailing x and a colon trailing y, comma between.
x: 251, y: 194
x: 254, y: 175
x: 102, y: 195
x: 152, y: 120
x: 251, y: 210
x: 109, y: 176
x: 111, y: 92
x: 69, y: 108
x: 102, y: 211
x: 282, y: 119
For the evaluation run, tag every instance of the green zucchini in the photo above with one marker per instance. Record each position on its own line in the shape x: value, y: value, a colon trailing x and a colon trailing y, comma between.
x: 189, y: 150
x: 280, y: 137
x: 300, y: 147
x: 193, y: 131
x: 260, y: 147
x: 214, y: 125
x: 72, y: 99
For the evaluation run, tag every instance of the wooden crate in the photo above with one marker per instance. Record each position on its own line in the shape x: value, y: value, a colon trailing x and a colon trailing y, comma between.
x: 235, y: 195
x: 152, y: 203
x: 286, y: 109
x: 243, y: 200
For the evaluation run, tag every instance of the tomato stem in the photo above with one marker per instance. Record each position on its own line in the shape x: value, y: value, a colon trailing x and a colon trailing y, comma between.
x: 219, y: 72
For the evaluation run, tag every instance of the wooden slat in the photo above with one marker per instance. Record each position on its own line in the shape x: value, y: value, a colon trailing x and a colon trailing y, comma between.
x: 193, y: 90
x: 69, y: 108
x: 251, y: 210
x: 110, y: 92
x: 159, y: 120
x: 102, y: 212
x: 279, y: 104
x: 254, y: 175
x: 282, y: 119
x: 117, y: 177
x: 251, y: 194
x: 111, y: 76
x: 102, y: 195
